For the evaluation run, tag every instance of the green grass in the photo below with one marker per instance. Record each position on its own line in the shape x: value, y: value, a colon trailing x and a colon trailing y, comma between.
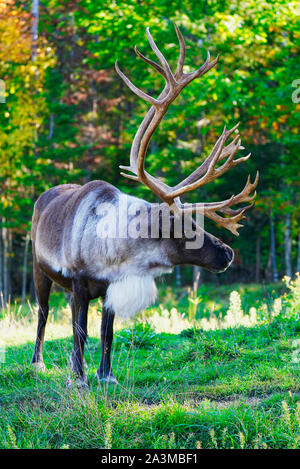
x: 227, y: 388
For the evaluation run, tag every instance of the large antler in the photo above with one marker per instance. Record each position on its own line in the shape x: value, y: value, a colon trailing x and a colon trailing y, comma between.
x: 208, y: 171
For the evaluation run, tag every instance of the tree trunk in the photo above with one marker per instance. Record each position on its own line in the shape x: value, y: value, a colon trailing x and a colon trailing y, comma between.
x: 257, y: 264
x: 9, y: 261
x: 6, y: 282
x: 34, y: 28
x: 178, y: 276
x: 25, y: 261
x: 298, y: 255
x: 34, y: 41
x: 51, y: 126
x: 269, y: 275
x: 1, y: 259
x: 288, y: 246
x: 273, y: 250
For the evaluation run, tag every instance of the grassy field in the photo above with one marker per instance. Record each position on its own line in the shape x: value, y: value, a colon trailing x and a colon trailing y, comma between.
x: 187, y: 378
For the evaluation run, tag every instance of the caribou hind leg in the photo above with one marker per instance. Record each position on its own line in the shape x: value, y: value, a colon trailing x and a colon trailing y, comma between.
x: 104, y: 372
x: 42, y: 286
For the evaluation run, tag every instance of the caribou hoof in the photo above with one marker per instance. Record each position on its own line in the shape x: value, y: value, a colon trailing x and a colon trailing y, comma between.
x: 110, y: 379
x: 80, y: 383
x: 38, y: 366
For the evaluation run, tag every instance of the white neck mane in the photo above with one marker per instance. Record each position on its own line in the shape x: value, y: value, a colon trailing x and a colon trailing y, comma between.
x: 131, y: 294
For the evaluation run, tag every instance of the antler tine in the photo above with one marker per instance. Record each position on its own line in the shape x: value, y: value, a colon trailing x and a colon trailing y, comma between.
x: 194, y: 181
x: 209, y: 209
x: 203, y: 69
x: 129, y: 176
x: 226, y: 151
x: 223, y: 206
x: 161, y: 58
x: 230, y: 223
x: 133, y: 88
x: 150, y: 62
x: 230, y: 211
x: 244, y: 195
x: 233, y: 129
x: 181, y: 58
x: 230, y: 162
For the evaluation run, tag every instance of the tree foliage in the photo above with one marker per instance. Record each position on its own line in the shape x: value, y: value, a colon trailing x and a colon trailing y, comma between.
x: 68, y: 117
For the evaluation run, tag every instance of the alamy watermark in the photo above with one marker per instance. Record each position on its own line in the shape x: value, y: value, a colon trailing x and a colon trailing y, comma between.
x: 133, y: 218
x: 2, y: 91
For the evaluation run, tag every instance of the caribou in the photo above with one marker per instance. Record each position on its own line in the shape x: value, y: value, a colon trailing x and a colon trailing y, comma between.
x: 81, y: 238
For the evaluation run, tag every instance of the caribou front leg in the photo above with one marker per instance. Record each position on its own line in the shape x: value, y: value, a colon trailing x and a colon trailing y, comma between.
x: 104, y: 372
x: 79, y: 305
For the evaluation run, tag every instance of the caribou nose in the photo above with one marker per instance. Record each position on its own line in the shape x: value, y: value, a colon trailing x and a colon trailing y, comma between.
x: 229, y: 254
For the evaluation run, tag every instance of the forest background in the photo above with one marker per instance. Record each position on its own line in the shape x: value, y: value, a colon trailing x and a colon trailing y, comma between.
x: 65, y: 116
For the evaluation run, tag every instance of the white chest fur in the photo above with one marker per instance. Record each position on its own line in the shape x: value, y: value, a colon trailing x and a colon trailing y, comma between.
x: 131, y: 294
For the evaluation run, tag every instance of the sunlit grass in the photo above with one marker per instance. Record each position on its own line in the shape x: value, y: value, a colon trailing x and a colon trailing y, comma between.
x: 231, y: 384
